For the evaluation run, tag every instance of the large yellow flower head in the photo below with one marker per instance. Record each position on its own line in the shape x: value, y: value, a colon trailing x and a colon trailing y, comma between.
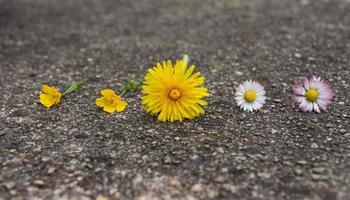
x: 173, y: 92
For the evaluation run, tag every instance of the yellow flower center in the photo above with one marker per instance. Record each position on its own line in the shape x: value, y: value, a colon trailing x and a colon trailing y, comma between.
x: 174, y: 94
x: 250, y: 95
x: 311, y: 95
x: 110, y: 101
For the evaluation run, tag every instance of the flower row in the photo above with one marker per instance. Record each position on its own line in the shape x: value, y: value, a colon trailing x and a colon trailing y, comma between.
x: 174, y: 92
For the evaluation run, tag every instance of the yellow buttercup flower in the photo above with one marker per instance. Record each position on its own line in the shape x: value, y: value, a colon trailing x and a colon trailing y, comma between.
x: 110, y: 101
x: 173, y: 92
x: 49, y: 96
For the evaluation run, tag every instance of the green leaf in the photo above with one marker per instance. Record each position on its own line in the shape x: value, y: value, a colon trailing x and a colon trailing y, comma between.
x: 74, y: 86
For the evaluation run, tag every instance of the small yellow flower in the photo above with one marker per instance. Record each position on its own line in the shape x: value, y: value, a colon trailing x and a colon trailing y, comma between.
x: 174, y: 93
x: 110, y: 101
x: 49, y: 96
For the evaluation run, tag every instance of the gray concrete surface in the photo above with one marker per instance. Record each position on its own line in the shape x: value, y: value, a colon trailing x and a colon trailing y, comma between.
x: 76, y: 151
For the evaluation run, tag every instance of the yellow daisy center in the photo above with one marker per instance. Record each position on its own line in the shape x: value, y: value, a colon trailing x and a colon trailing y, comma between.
x: 311, y: 95
x: 250, y: 95
x: 174, y: 94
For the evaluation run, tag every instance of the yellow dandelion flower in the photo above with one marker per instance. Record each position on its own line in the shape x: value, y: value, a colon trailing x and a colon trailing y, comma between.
x: 173, y: 92
x: 110, y: 101
x: 49, y: 96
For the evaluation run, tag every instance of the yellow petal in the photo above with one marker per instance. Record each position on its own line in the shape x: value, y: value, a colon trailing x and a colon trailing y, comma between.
x: 46, y: 100
x: 58, y: 98
x: 120, y: 106
x: 100, y: 102
x: 47, y: 89
x: 107, y: 93
x: 109, y: 109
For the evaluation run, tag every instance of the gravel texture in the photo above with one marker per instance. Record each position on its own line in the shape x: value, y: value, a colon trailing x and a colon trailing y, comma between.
x: 77, y: 151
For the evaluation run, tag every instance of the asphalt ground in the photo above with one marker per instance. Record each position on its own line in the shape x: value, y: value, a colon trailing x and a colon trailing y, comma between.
x: 77, y: 151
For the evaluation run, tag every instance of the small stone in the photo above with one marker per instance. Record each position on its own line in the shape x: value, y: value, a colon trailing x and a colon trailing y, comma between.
x: 297, y: 55
x: 44, y: 159
x: 301, y: 162
x: 51, y: 170
x: 318, y: 177
x: 264, y: 175
x: 342, y: 131
x: 238, y: 73
x: 298, y: 171
x: 220, y: 150
x: 177, y: 138
x: 314, y: 146
x: 277, y: 100
x: 197, y: 187
x: 167, y: 160
x: 101, y: 197
x: 38, y: 183
x: 220, y: 179
x: 319, y: 170
x: 347, y: 135
x: 10, y: 185
x: 274, y: 131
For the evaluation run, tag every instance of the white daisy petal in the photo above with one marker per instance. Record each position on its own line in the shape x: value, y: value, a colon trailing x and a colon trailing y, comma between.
x: 316, y: 108
x: 309, y: 107
x: 303, y: 105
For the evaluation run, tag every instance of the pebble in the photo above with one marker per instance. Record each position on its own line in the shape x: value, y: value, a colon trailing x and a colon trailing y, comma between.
x: 319, y: 170
x: 342, y: 131
x: 38, y: 183
x: 301, y: 162
x: 220, y: 150
x: 318, y: 177
x: 51, y: 170
x: 101, y: 197
x: 274, y: 131
x: 197, y: 187
x: 238, y: 73
x: 297, y: 55
x: 298, y: 171
x: 10, y: 185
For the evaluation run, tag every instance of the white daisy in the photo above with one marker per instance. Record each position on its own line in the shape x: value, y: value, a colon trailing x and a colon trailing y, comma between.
x: 250, y: 96
x: 313, y: 94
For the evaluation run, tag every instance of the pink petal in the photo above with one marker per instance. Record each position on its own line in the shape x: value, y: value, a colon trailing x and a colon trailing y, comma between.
x: 298, y: 99
x: 298, y: 89
x: 306, y: 83
x: 323, y: 104
x: 304, y: 106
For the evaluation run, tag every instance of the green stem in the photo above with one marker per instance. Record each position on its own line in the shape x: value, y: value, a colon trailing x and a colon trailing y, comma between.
x: 130, y: 85
x: 74, y: 86
x: 123, y: 92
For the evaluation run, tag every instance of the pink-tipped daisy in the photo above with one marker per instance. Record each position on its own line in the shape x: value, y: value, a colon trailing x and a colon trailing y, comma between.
x: 313, y: 94
x: 250, y: 96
